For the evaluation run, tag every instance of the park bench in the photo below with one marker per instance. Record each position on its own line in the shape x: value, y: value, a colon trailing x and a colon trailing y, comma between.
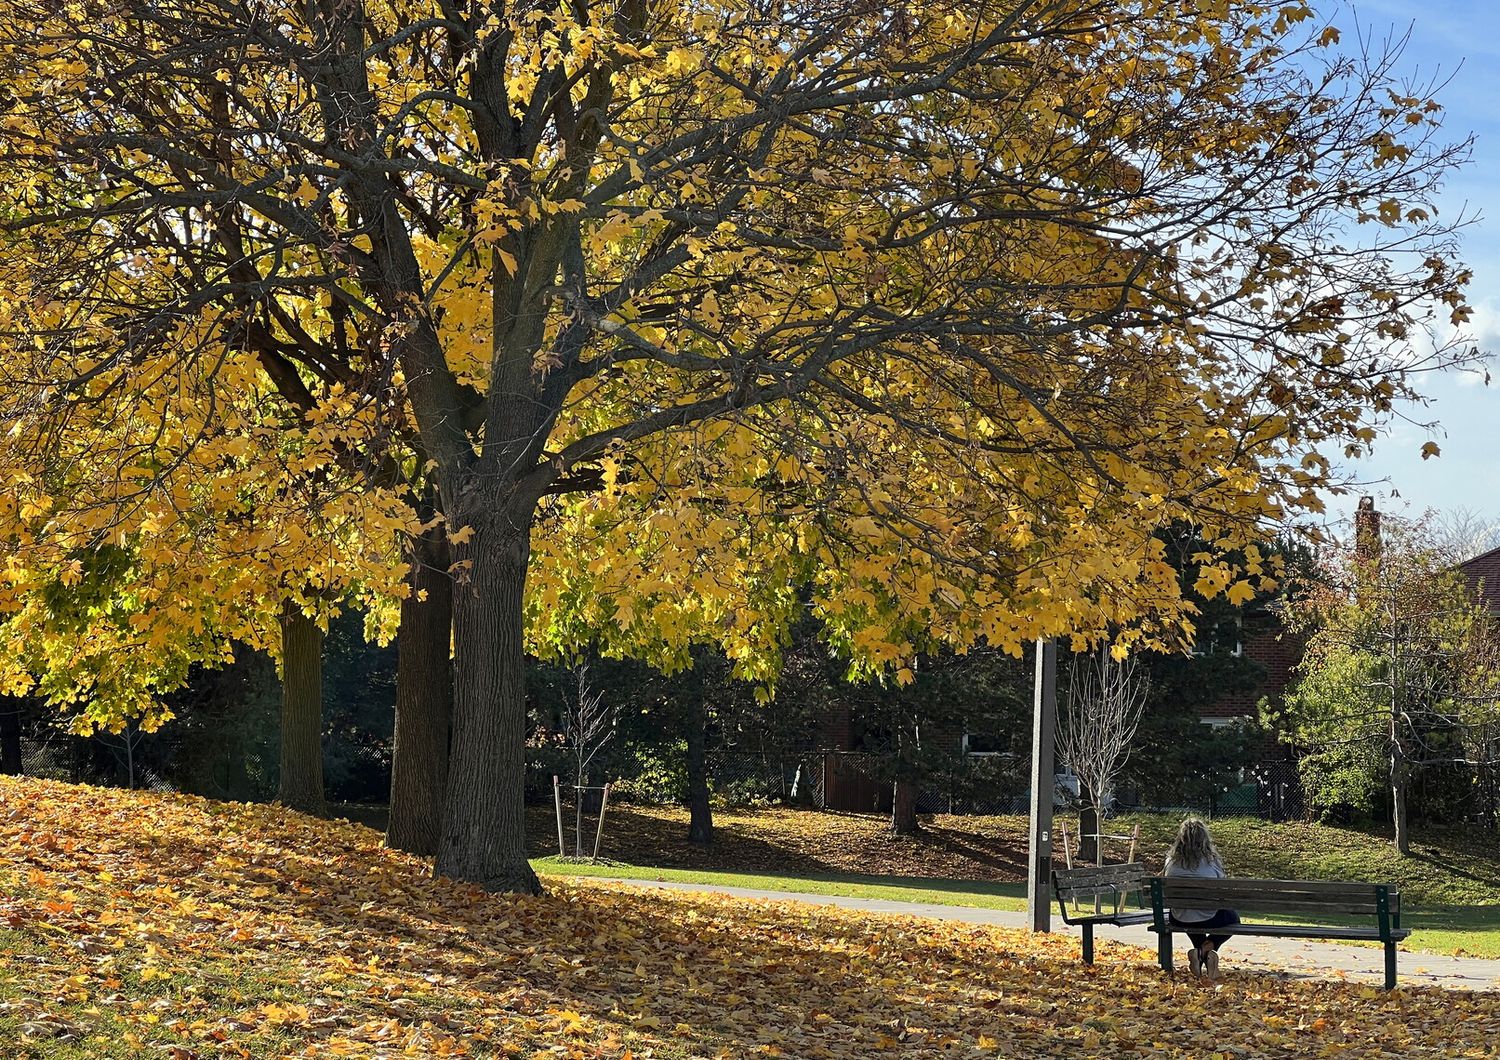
x: 1302, y: 899
x: 1102, y: 895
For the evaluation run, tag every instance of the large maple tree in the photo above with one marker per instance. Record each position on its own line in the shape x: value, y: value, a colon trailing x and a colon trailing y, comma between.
x: 958, y: 301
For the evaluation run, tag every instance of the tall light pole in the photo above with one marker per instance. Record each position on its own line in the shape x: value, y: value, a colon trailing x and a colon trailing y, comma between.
x: 1043, y: 730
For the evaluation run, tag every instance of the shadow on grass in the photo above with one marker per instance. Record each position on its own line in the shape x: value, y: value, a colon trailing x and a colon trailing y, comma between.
x: 891, y: 888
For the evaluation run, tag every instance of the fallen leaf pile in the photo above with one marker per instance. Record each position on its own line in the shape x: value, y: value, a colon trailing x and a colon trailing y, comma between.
x: 136, y: 925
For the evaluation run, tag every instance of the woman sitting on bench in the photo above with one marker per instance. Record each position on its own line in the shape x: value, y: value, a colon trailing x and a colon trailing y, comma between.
x: 1193, y: 854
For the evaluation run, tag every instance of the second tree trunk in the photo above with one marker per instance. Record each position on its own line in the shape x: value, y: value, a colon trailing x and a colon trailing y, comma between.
x: 301, y: 784
x: 424, y: 700
x: 700, y: 811
x: 904, y: 808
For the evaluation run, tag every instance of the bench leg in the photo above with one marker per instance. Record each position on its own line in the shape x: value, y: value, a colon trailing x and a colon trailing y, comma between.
x: 1164, y: 950
x: 1390, y: 966
x: 1088, y: 943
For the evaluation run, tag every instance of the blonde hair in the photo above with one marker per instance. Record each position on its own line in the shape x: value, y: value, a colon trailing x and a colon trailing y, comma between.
x: 1194, y: 846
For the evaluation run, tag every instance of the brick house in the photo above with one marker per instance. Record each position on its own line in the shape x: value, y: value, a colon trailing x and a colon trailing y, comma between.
x: 1277, y: 652
x: 1483, y: 575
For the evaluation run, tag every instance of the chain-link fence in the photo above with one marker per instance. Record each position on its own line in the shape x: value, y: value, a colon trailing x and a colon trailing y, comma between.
x: 749, y: 778
x: 102, y: 760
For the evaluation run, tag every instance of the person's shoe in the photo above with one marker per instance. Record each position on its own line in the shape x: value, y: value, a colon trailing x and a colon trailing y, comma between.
x: 1195, y: 961
x: 1211, y: 964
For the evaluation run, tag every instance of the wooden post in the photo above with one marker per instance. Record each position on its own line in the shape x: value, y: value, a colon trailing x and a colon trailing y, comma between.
x: 562, y: 847
x: 599, y: 834
x: 1044, y: 717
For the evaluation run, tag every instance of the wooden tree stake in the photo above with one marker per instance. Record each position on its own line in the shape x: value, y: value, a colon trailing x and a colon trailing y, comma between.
x: 599, y: 834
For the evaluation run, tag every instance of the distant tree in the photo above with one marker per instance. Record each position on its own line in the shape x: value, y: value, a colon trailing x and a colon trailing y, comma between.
x: 1400, y: 671
x: 1101, y: 710
x: 589, y: 727
x: 1460, y: 534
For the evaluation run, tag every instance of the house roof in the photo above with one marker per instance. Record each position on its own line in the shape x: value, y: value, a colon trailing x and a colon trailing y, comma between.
x: 1483, y: 572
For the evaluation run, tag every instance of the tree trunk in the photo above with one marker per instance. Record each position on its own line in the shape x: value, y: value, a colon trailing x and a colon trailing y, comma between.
x: 10, y: 737
x: 424, y: 700
x: 301, y: 712
x: 1398, y: 799
x: 484, y: 823
x: 1088, y: 832
x: 700, y: 812
x: 904, y: 808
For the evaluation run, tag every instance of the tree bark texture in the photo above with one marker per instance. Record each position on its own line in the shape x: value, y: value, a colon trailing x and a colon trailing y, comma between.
x: 301, y: 784
x: 484, y: 821
x: 424, y: 700
x: 904, y: 808
x: 700, y: 812
x: 1398, y: 800
x: 1088, y: 833
x: 1398, y: 776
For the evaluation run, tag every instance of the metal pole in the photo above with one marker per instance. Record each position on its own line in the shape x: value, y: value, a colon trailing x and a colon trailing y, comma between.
x: 562, y: 849
x: 1044, y: 717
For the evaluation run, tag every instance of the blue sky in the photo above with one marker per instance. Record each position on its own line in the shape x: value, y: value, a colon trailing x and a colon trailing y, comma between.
x: 1457, y: 39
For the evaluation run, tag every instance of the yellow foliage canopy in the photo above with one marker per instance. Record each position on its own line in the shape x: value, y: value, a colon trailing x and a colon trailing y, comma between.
x: 938, y: 308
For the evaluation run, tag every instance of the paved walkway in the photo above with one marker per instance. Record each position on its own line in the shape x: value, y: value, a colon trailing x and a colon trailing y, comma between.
x: 1296, y: 958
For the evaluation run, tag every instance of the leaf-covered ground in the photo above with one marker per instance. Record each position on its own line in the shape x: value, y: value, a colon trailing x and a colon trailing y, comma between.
x: 136, y: 925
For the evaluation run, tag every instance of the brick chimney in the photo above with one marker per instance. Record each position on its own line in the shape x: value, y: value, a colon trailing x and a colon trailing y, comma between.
x: 1367, y: 531
x: 1366, y: 549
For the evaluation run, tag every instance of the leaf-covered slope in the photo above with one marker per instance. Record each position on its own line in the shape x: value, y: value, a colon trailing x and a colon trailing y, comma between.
x: 135, y: 925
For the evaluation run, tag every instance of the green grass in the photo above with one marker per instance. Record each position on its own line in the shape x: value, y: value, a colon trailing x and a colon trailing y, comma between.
x: 1447, y: 866
x: 1470, y: 930
x: 1465, y: 930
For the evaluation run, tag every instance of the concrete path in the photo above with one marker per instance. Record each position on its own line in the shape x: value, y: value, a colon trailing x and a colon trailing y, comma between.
x: 1294, y: 958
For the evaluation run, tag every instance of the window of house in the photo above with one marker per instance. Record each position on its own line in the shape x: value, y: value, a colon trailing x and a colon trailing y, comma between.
x: 983, y: 743
x: 1221, y: 638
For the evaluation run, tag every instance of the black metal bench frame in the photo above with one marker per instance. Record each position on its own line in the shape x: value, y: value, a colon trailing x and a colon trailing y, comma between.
x: 1308, y: 898
x: 1095, y: 886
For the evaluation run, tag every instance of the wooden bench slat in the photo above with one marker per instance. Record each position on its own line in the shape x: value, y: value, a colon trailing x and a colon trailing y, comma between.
x: 1110, y: 873
x: 1270, y: 904
x: 1137, y: 880
x: 1087, y: 870
x: 1100, y: 885
x: 1320, y: 888
x: 1106, y: 894
x: 1188, y: 885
